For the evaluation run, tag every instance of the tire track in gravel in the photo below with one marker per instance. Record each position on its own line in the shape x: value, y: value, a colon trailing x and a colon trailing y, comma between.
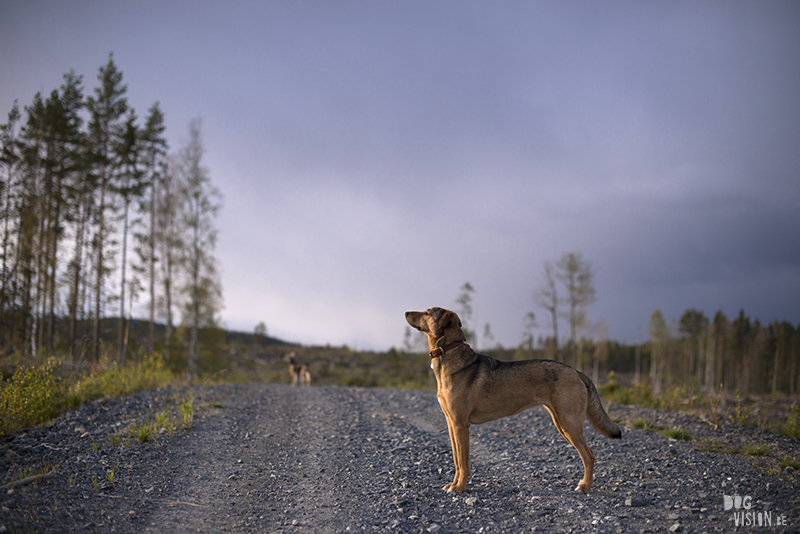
x: 306, y: 459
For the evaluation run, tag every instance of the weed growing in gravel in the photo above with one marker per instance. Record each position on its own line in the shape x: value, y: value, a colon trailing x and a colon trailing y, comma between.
x: 788, y: 461
x: 674, y: 433
x: 144, y: 433
x: 646, y: 424
x: 95, y: 483
x: 750, y: 449
x: 186, y: 412
x: 753, y: 449
x: 740, y: 413
x: 677, y: 433
x: 166, y: 421
x: 110, y: 475
x: 709, y: 445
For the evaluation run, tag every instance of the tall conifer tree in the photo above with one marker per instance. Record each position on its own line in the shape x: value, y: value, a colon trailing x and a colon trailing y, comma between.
x: 106, y: 107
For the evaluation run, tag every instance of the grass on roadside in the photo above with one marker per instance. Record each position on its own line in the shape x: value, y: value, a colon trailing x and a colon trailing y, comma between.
x: 687, y: 398
x: 36, y: 394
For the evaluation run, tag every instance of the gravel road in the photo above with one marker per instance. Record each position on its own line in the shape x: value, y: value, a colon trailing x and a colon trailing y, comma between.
x: 334, y: 459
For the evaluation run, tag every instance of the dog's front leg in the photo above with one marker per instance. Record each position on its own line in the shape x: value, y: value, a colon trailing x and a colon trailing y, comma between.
x: 459, y: 441
x: 449, y: 487
x: 461, y: 455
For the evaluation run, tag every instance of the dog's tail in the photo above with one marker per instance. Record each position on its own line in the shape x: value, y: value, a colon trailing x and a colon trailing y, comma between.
x: 596, y: 414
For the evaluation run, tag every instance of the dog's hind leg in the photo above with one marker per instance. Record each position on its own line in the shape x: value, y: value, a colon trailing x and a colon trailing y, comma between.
x: 572, y: 429
x: 574, y: 435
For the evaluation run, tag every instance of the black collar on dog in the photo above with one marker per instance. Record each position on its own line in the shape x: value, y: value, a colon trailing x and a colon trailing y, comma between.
x: 435, y: 353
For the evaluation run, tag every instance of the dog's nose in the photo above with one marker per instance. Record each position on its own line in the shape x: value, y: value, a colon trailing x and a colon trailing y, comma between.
x: 407, y: 313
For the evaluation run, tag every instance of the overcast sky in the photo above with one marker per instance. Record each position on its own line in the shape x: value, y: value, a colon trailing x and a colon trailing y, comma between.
x: 374, y: 156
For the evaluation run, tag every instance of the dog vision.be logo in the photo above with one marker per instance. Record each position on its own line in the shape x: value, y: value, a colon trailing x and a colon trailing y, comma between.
x: 745, y: 516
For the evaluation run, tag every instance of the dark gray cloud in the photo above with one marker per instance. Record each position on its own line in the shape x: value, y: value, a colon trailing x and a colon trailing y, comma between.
x: 374, y: 156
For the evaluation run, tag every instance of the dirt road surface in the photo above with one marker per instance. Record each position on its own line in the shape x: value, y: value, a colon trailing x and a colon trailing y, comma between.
x: 334, y: 459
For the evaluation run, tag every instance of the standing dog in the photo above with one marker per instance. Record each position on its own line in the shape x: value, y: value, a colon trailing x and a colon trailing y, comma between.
x: 474, y: 389
x: 299, y: 371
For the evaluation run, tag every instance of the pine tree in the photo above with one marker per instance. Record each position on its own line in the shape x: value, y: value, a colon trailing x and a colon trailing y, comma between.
x: 130, y: 188
x: 154, y: 148
x: 65, y: 123
x: 9, y: 158
x: 106, y: 107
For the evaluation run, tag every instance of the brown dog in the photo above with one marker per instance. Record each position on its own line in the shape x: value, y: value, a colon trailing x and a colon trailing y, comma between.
x: 474, y: 389
x: 299, y: 371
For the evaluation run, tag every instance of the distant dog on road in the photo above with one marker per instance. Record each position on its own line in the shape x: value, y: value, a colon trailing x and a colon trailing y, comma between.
x: 299, y: 371
x: 474, y: 389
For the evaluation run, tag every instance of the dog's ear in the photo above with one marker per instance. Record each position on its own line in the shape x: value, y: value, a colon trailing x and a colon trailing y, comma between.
x: 445, y: 320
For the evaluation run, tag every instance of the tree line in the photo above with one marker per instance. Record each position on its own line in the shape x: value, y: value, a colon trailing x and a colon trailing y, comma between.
x: 730, y: 355
x: 95, y: 210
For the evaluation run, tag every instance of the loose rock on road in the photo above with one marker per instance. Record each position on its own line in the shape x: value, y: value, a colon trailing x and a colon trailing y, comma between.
x: 335, y: 459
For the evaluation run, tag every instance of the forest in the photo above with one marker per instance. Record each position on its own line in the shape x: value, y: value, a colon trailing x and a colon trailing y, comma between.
x: 95, y: 211
x: 707, y: 355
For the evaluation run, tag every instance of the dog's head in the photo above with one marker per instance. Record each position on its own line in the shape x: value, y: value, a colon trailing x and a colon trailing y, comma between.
x: 289, y: 357
x: 437, y: 323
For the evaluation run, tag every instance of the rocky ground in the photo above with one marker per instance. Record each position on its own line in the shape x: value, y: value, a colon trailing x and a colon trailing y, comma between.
x: 334, y: 459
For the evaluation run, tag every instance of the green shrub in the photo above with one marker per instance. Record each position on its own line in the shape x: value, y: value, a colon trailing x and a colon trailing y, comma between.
x: 36, y: 393
x: 791, y: 427
x: 33, y: 396
x: 611, y: 388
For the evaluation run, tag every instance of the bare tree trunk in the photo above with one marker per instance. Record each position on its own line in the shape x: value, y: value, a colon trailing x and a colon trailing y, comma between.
x: 152, y: 268
x: 121, y: 360
x: 193, y: 356
x: 98, y: 289
x: 775, y: 369
x: 75, y: 296
x: 710, y: 363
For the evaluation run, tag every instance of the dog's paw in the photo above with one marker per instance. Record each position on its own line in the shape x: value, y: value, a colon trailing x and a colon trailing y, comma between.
x: 581, y: 489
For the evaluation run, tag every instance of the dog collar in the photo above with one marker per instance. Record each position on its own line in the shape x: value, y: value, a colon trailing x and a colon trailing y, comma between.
x: 439, y: 351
